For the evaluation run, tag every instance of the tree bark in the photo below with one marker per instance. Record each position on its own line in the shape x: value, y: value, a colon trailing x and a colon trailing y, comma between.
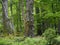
x: 8, y: 27
x: 58, y: 27
x: 29, y: 21
x: 39, y: 31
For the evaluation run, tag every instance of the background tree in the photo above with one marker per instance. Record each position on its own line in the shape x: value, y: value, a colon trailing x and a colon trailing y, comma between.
x: 29, y: 21
x: 8, y: 27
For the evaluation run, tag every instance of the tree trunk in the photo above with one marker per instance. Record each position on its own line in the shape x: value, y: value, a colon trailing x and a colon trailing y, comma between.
x: 39, y: 31
x: 8, y: 27
x: 19, y: 24
x: 29, y: 21
x: 58, y: 27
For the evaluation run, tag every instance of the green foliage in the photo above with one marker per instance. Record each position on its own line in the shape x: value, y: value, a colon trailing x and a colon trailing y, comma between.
x: 56, y: 41
x: 49, y: 34
x: 4, y: 41
x: 27, y: 41
x: 34, y: 41
x: 45, y: 15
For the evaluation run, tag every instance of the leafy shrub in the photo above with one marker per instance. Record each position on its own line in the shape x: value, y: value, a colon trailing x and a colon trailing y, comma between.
x: 34, y: 41
x: 4, y: 41
x: 27, y: 41
x: 49, y: 34
x: 56, y: 41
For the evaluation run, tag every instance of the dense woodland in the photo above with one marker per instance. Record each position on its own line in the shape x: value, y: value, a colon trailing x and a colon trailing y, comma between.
x: 30, y: 22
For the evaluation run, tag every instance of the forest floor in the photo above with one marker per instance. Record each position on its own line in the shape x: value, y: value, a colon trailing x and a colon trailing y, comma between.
x: 14, y: 40
x: 21, y: 40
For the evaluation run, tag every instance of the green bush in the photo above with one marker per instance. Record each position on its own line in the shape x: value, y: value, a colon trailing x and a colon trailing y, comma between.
x: 49, y: 33
x: 56, y: 41
x: 34, y: 41
x: 4, y: 41
x: 27, y: 41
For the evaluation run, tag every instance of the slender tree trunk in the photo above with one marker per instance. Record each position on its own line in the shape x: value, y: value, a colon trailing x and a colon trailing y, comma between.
x: 8, y: 27
x: 54, y: 11
x: 39, y: 31
x: 11, y: 4
x: 23, y: 10
x: 20, y: 18
x: 23, y: 13
x: 44, y: 23
x: 19, y: 26
x: 17, y: 16
x: 59, y: 27
x: 29, y: 21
